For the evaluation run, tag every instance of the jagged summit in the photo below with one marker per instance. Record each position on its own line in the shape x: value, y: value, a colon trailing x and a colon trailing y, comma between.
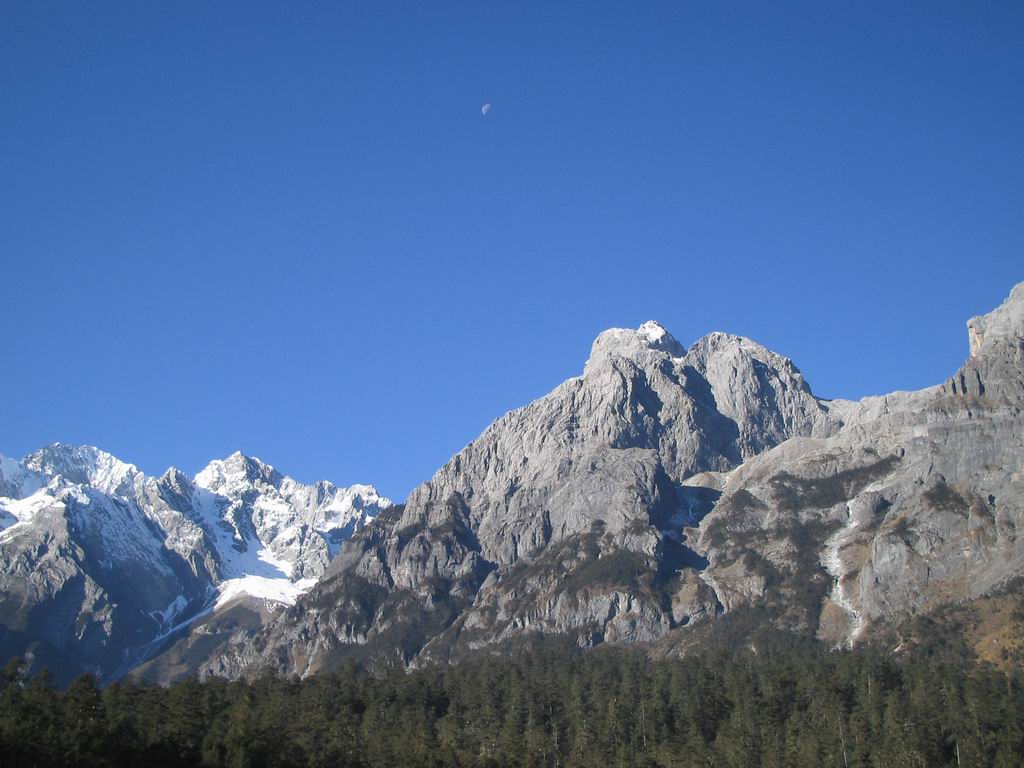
x: 175, y: 476
x: 635, y: 344
x: 652, y: 342
x: 85, y: 465
x: 237, y: 470
x: 739, y: 352
x: 997, y: 352
x: 1004, y: 324
x: 717, y: 340
x: 659, y: 338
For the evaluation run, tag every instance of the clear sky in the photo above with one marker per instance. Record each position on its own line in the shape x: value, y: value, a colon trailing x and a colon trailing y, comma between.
x: 288, y: 229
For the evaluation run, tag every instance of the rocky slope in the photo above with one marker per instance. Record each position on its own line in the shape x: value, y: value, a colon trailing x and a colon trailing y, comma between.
x: 917, y: 501
x: 665, y: 486
x: 98, y: 562
x: 565, y: 516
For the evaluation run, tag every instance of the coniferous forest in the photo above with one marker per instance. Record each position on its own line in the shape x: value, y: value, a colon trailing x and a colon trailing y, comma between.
x: 772, y: 701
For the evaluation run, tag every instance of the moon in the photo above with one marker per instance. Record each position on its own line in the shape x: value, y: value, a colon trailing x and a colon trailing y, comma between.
x: 485, y: 109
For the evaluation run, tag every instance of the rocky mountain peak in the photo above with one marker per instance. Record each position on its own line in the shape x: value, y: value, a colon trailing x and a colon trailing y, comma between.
x: 649, y: 341
x: 175, y: 476
x: 658, y: 337
x: 997, y: 353
x: 84, y: 465
x: 718, y: 341
x: 176, y: 482
x: 728, y: 354
x: 235, y: 474
x: 1003, y: 324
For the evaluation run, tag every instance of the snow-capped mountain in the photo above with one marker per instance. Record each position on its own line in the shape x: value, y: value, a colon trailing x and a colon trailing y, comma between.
x: 99, y: 561
x: 274, y: 535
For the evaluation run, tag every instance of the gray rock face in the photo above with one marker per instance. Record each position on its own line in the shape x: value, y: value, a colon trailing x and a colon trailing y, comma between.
x: 565, y: 516
x: 995, y: 368
x: 98, y: 561
x: 916, y: 501
x: 665, y: 486
x: 610, y: 444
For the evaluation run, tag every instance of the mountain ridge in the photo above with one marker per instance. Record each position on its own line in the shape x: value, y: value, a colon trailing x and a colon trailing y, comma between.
x: 579, y: 513
x: 659, y: 489
x: 89, y: 541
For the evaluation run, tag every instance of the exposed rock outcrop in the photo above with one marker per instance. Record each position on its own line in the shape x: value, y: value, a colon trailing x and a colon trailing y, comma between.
x: 917, y: 501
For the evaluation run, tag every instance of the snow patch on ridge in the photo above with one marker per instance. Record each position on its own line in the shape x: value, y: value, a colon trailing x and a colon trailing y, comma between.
x: 275, y: 590
x: 653, y: 331
x: 173, y: 609
x: 22, y: 481
x: 17, y: 513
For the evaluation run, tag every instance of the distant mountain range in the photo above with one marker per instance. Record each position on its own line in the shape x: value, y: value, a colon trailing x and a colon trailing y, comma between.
x: 636, y: 503
x: 99, y: 563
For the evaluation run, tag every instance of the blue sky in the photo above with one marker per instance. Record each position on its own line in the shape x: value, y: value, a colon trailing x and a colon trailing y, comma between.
x: 288, y: 229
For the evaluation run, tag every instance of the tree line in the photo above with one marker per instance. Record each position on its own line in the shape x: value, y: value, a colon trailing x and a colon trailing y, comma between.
x: 774, y: 700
